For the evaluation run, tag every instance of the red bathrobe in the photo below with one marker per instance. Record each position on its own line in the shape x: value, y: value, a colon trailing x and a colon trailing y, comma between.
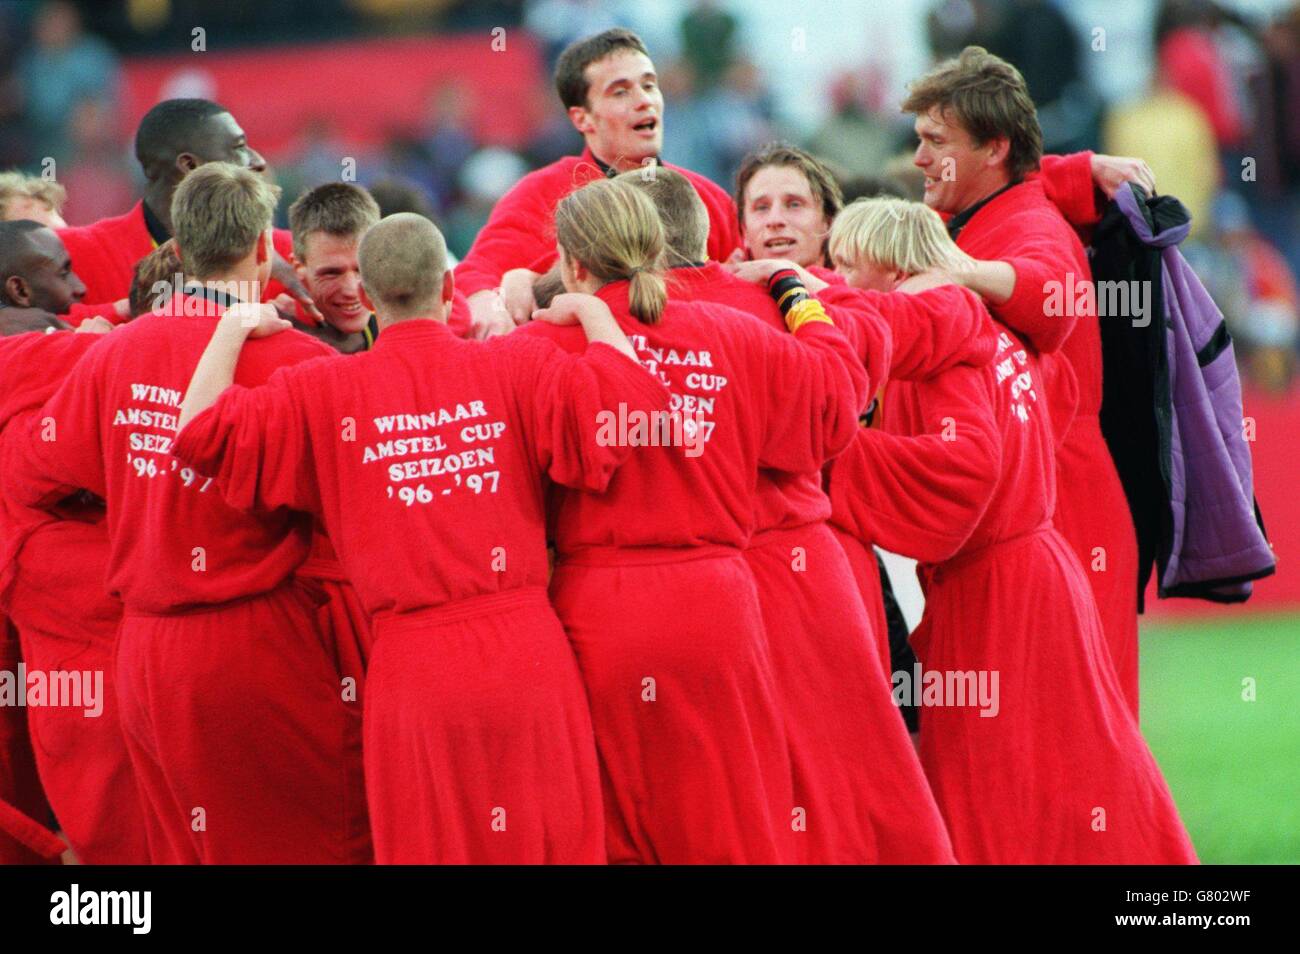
x: 855, y: 773
x: 1046, y: 765
x: 52, y: 586
x: 104, y: 255
x: 243, y: 747
x: 657, y: 598
x: 939, y: 325
x: 1021, y: 226
x: 424, y: 458
x: 520, y: 233
x: 24, y: 839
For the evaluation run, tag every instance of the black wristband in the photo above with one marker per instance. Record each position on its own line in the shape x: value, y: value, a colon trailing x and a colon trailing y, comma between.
x: 781, y: 284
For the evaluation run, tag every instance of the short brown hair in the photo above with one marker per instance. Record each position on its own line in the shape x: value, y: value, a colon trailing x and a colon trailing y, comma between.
x: 615, y: 232
x: 821, y: 181
x: 403, y: 259
x: 13, y: 184
x: 681, y: 210
x: 218, y: 212
x: 340, y: 209
x: 990, y: 100
x: 571, y: 67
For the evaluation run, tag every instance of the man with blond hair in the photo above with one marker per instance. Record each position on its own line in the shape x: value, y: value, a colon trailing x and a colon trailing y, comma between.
x: 232, y: 706
x: 960, y: 476
x: 479, y: 743
x: 31, y: 197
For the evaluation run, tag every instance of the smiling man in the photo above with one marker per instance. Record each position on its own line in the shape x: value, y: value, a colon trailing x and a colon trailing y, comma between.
x: 610, y: 90
x: 327, y: 224
x: 981, y: 150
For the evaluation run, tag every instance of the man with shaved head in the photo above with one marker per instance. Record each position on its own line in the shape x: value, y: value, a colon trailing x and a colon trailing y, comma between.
x: 174, y: 138
x: 425, y: 458
x: 404, y: 267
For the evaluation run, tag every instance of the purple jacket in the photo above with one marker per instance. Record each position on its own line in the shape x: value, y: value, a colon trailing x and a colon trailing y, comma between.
x: 1215, y: 540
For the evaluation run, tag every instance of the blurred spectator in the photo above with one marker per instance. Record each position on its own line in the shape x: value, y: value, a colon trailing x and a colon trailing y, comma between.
x: 870, y: 187
x: 64, y: 67
x: 856, y: 138
x: 404, y: 157
x: 1036, y: 36
x: 1190, y: 62
x: 398, y: 195
x: 1172, y: 133
x: 688, y: 138
x: 1250, y: 282
x: 709, y: 129
x: 953, y: 25
x: 555, y: 137
x: 557, y: 23
x: 903, y: 170
x: 31, y: 197
x: 320, y: 154
x: 98, y: 176
x: 708, y: 35
x: 1040, y: 41
x: 1275, y: 197
x: 898, y: 178
x: 449, y: 139
x: 484, y: 179
x: 1043, y: 44
x: 13, y: 136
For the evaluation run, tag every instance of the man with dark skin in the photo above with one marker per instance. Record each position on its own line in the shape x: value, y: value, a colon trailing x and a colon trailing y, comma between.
x: 37, y: 282
x: 89, y: 785
x: 174, y: 138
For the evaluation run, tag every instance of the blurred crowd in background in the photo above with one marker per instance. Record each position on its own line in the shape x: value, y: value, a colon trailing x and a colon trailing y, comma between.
x: 1216, y: 113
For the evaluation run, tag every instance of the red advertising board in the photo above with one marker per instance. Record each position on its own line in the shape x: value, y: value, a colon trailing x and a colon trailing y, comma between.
x: 367, y: 89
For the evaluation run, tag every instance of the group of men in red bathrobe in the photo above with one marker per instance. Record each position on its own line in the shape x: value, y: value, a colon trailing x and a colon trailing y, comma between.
x: 241, y: 579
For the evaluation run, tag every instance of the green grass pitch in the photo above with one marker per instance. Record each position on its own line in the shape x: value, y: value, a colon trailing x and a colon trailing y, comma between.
x: 1233, y: 765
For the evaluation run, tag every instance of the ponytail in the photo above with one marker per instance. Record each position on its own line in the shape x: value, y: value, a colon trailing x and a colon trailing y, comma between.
x: 647, y: 295
x: 614, y: 230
